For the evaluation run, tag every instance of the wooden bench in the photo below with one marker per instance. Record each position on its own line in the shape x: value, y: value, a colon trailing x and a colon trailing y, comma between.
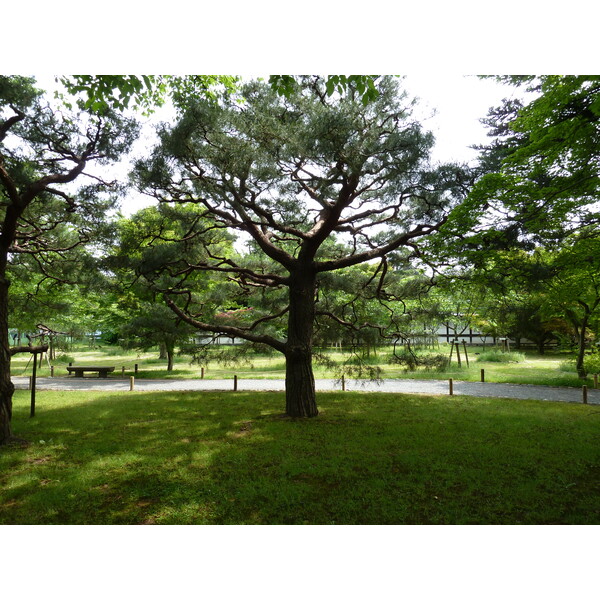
x: 79, y: 371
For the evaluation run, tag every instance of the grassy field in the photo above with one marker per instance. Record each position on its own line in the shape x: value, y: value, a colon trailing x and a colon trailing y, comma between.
x: 536, y: 369
x: 231, y: 458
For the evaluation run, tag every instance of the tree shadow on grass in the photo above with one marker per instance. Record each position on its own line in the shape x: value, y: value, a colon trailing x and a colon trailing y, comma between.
x: 214, y: 458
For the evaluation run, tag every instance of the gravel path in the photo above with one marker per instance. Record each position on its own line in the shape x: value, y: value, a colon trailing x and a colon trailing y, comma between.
x: 408, y: 386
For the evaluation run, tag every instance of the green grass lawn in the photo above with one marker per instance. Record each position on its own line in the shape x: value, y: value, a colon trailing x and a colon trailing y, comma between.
x: 231, y: 458
x: 536, y: 369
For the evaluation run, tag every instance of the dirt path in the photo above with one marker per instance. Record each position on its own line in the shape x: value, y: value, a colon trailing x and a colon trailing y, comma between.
x: 407, y: 386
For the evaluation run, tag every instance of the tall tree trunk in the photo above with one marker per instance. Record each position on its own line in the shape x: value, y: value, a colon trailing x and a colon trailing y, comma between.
x: 300, y: 395
x: 170, y: 360
x: 581, y: 372
x: 6, y: 386
x: 162, y: 350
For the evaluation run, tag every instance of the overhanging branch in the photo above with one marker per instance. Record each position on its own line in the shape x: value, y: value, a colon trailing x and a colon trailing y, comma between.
x: 227, y: 329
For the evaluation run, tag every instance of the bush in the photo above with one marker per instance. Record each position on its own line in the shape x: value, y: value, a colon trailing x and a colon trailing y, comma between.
x: 504, y: 357
x: 430, y: 362
x: 434, y: 362
x: 591, y: 363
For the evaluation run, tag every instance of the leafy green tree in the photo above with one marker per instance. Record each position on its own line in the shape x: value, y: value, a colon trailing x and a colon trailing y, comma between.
x: 42, y: 151
x: 292, y: 174
x: 538, y: 186
x: 542, y: 180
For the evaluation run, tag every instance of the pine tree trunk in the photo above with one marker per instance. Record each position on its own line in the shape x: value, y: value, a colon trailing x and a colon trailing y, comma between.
x: 581, y: 372
x: 6, y: 386
x: 300, y: 394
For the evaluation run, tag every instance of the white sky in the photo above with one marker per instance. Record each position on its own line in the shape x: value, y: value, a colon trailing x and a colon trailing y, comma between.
x: 460, y: 101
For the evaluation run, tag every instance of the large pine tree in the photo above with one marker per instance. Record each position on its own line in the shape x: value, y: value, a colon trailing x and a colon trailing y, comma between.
x: 294, y: 174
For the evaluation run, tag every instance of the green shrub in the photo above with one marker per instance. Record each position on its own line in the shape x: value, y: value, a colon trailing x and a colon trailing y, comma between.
x: 592, y: 363
x: 434, y: 362
x: 411, y: 361
x: 498, y: 356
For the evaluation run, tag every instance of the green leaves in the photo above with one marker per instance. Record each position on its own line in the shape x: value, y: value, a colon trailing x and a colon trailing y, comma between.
x: 361, y: 85
x: 545, y: 160
x: 99, y: 93
x: 145, y: 92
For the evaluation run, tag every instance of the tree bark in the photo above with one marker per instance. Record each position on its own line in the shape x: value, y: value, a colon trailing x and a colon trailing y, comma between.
x: 581, y: 372
x: 300, y: 394
x: 6, y: 385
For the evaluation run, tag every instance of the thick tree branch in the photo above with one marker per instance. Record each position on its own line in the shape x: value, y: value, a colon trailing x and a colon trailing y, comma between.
x: 4, y: 128
x: 379, y: 251
x: 227, y: 329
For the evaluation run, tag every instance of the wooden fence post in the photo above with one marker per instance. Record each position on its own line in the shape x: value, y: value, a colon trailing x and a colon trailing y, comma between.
x: 131, y: 383
x: 343, y: 384
x: 51, y: 370
x: 235, y: 381
x: 482, y: 375
x: 123, y: 372
x: 596, y: 381
x: 451, y: 387
x: 135, y: 368
x: 584, y: 391
x: 202, y: 373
